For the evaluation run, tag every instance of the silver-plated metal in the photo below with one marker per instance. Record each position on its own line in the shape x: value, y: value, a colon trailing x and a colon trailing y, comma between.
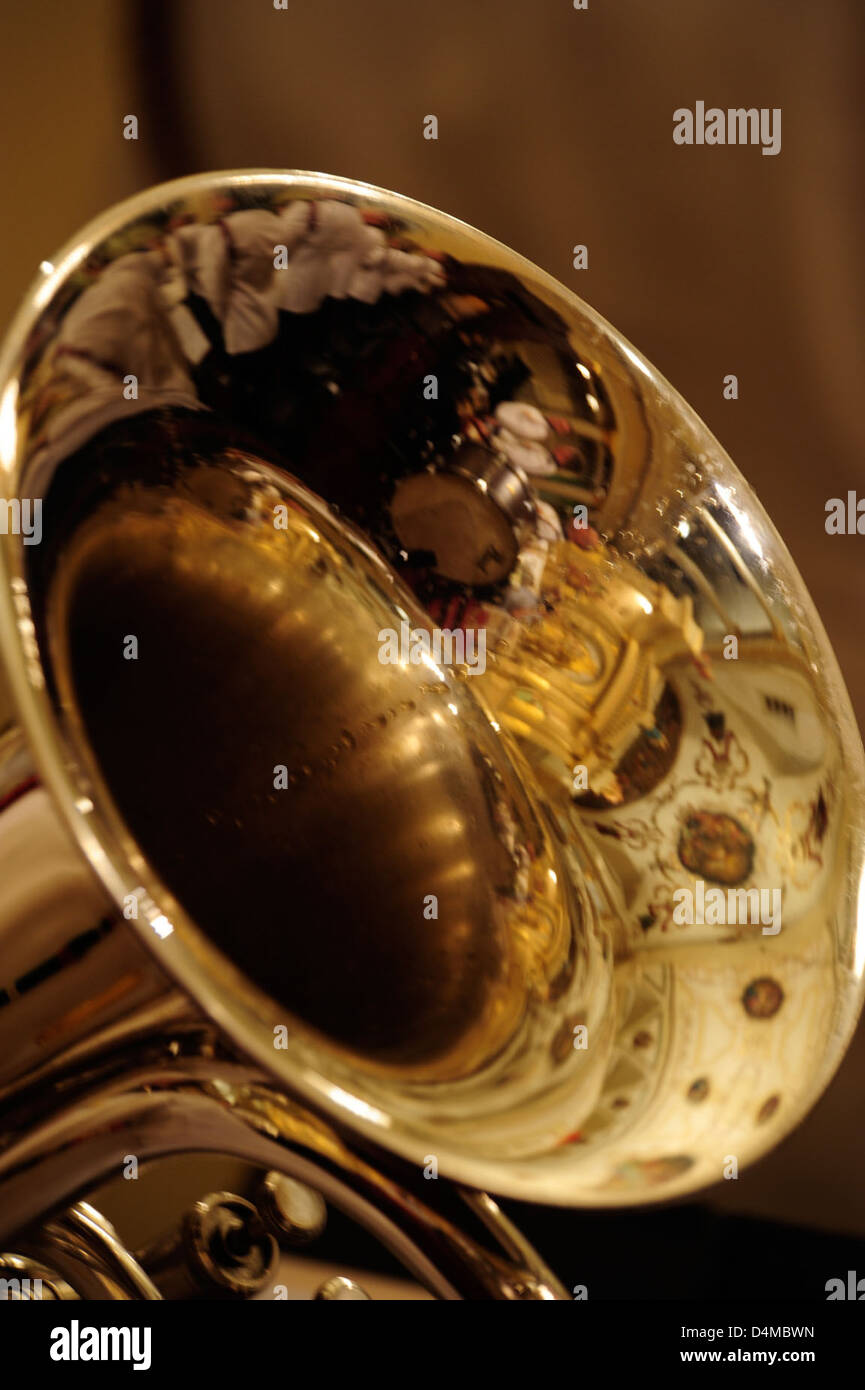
x: 340, y: 1289
x: 86, y: 1249
x: 659, y: 719
x: 25, y: 1280
x: 295, y: 1214
x: 216, y: 1106
x: 221, y: 1250
x: 479, y: 487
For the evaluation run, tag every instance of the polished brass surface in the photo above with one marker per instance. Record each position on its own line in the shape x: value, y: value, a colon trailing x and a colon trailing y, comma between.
x: 395, y: 783
x: 437, y: 903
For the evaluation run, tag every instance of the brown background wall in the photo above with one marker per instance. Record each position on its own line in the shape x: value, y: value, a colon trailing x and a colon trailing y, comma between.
x: 555, y: 127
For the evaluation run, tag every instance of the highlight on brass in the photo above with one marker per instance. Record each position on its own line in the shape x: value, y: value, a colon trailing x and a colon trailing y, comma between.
x: 576, y: 923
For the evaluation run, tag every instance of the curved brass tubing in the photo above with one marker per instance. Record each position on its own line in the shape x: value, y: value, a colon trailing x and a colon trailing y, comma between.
x: 199, y: 1106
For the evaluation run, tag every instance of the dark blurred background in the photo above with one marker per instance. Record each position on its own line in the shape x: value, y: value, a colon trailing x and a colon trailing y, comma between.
x: 555, y: 128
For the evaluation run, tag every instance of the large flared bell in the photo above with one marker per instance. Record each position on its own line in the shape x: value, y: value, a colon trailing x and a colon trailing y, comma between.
x: 428, y: 698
